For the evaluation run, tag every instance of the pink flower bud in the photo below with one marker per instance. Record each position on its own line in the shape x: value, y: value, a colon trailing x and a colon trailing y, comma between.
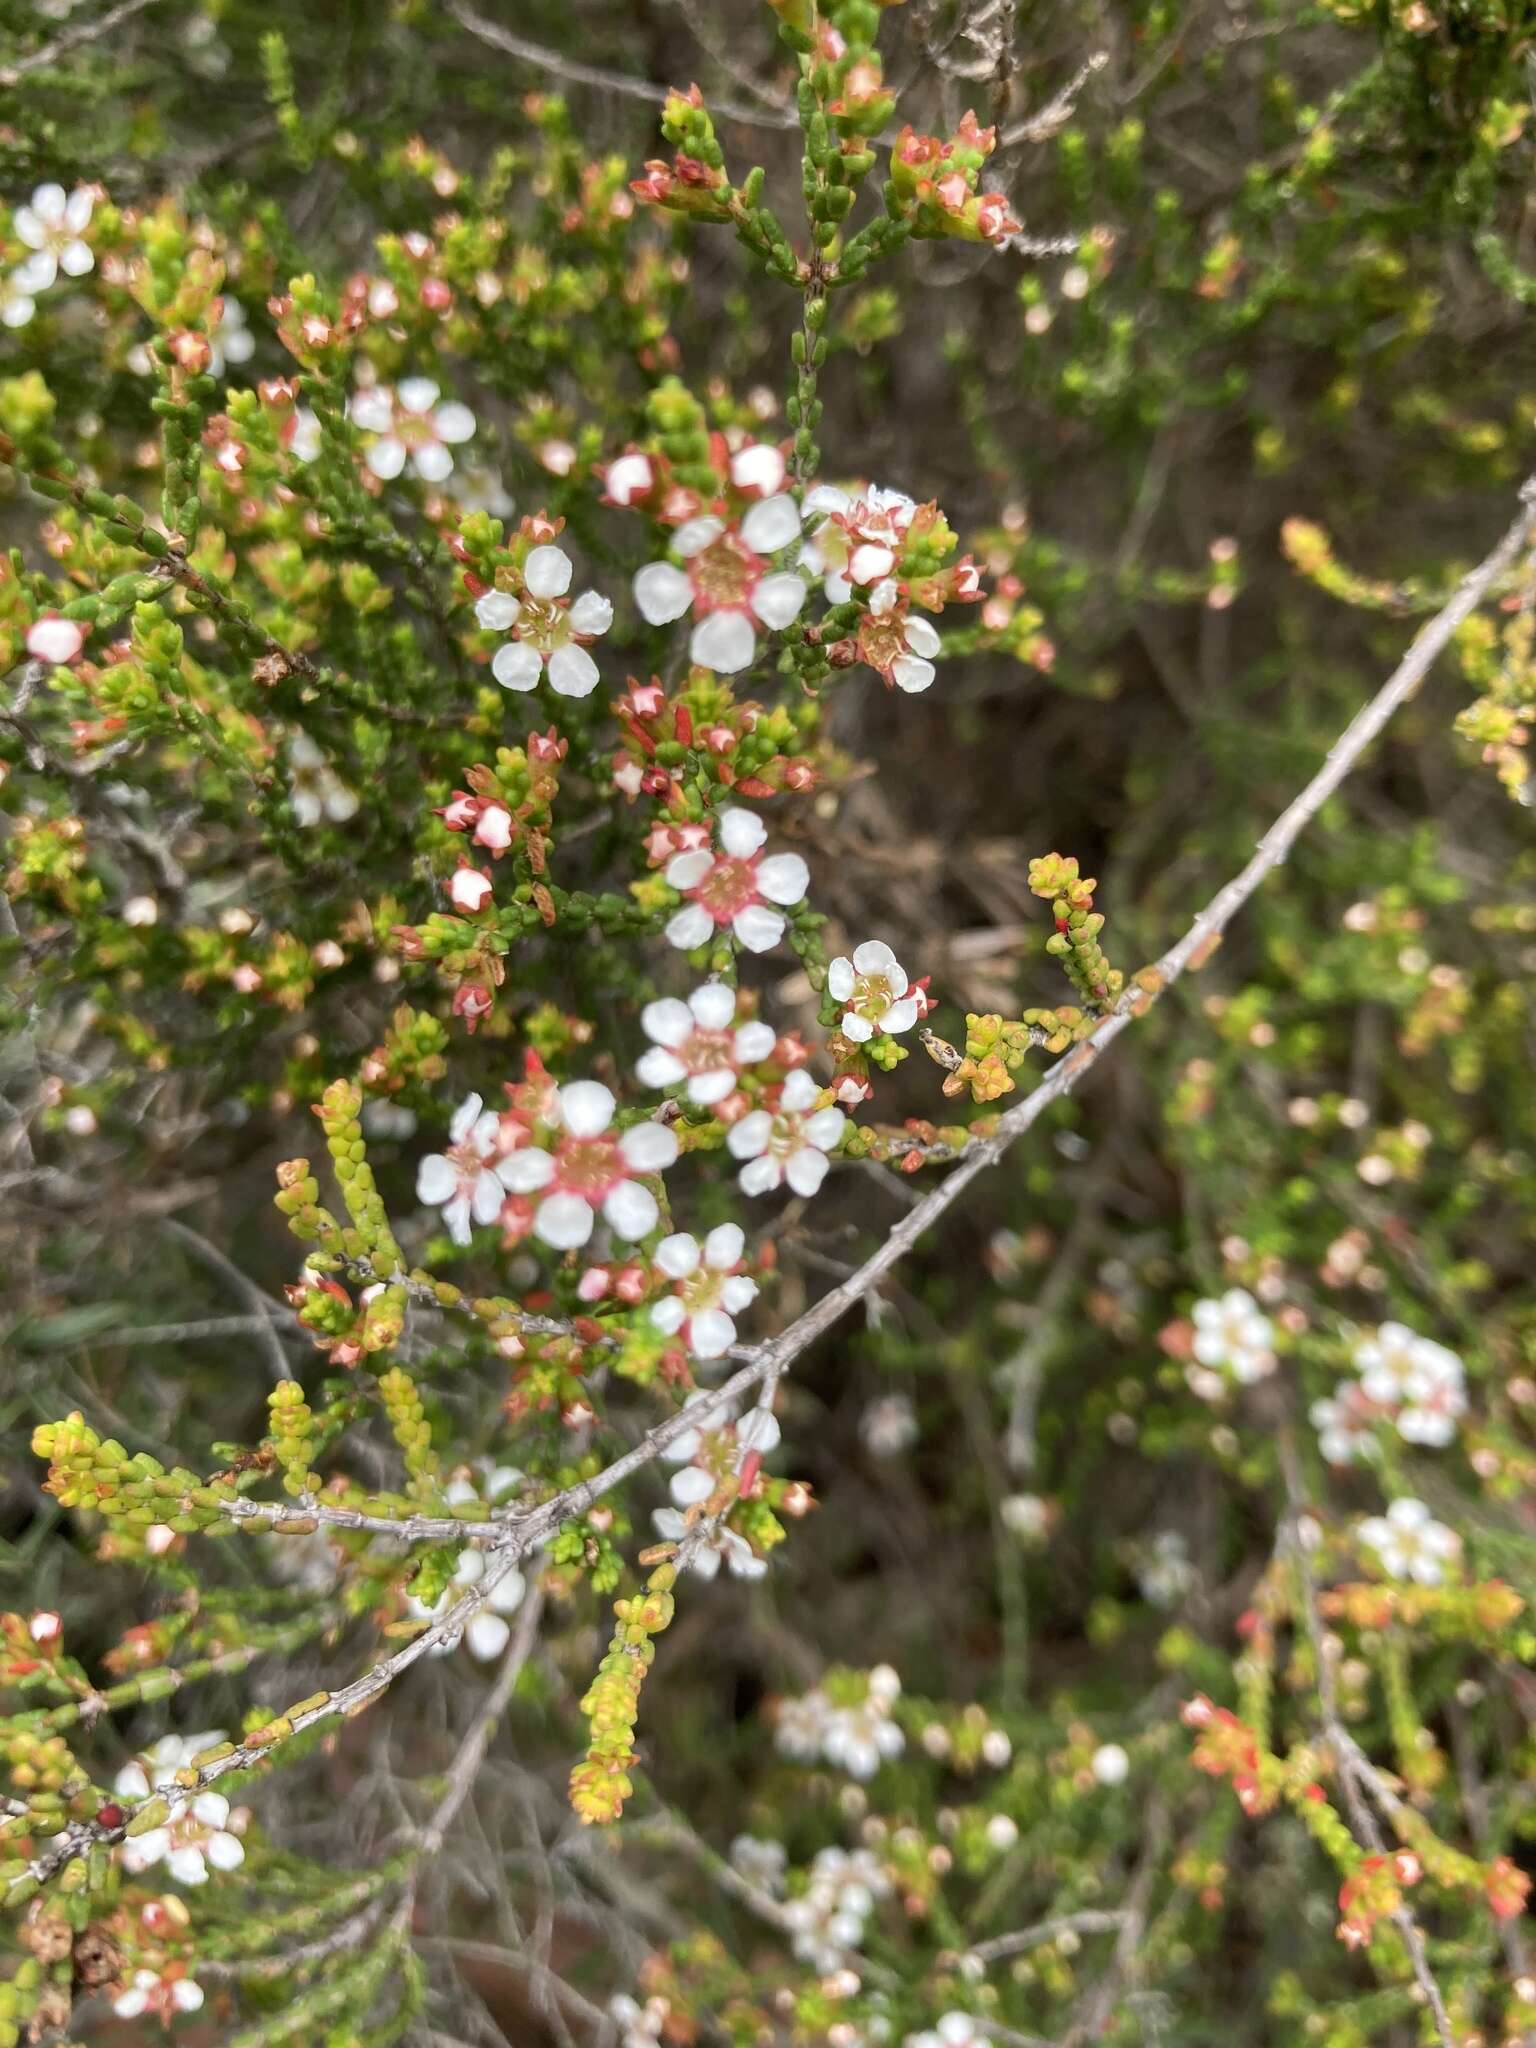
x: 469, y: 889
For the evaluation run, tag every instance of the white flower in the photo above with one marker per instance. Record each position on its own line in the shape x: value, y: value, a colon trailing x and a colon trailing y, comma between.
x: 629, y: 477
x: 1423, y: 1381
x: 314, y: 788
x: 17, y: 303
x: 641, y: 2026
x: 1110, y: 1765
x: 708, y: 1414
x: 1167, y: 1574
x: 954, y: 2030
x: 1234, y: 1334
x: 52, y: 227
x: 301, y: 436
x: 469, y: 1181
x: 487, y: 1632
x: 735, y: 886
x: 590, y: 1172
x: 888, y: 1426
x: 872, y: 986
x: 789, y: 1143
x: 722, y: 1546
x: 726, y: 582
x: 163, y: 1996
x: 828, y: 1917
x: 193, y: 1838
x: 707, y: 1289
x: 548, y: 629
x: 1409, y: 1543
x: 800, y: 1725
x: 895, y: 641
x: 1343, y: 1425
x: 762, y: 1862
x: 860, y: 542
x: 232, y: 339
x: 859, y: 1739
x: 700, y: 1044
x: 412, y: 428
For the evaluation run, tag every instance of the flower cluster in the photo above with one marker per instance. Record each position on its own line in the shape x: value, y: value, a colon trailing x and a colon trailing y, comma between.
x: 1411, y: 1382
x: 856, y: 1734
x: 1408, y: 1543
x: 204, y: 1834
x: 1234, y: 1336
x: 829, y: 1916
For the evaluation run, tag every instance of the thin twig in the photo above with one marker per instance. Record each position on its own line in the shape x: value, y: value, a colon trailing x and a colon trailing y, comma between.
x: 72, y: 39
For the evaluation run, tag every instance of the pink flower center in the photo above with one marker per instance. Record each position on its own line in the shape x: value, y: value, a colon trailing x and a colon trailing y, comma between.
x: 414, y: 429
x: 882, y: 640
x: 785, y: 1135
x: 724, y: 575
x: 590, y: 1167
x: 729, y: 888
x: 468, y: 1162
x: 707, y: 1052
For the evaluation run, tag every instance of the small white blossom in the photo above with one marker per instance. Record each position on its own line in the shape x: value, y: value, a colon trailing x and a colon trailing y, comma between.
x: 412, y: 428
x: 721, y: 1546
x: 1410, y: 1544
x: 1344, y: 1425
x: 232, y: 339
x: 898, y: 643
x: 860, y: 540
x: 789, y: 1143
x: 549, y: 629
x: 52, y: 227
x: 1166, y: 1574
x: 487, y: 1632
x: 954, y: 2030
x: 640, y: 2026
x: 888, y: 1426
x: 1110, y: 1764
x: 163, y: 1997
x: 726, y: 582
x: 1421, y: 1380
x: 859, y: 1739
x: 708, y: 1289
x: 1235, y: 1335
x: 314, y: 788
x: 467, y: 1182
x: 800, y: 1725
x: 872, y: 987
x: 699, y: 1044
x: 197, y: 1836
x: 828, y: 1918
x: 588, y: 1171
x: 761, y: 1861
x: 735, y: 886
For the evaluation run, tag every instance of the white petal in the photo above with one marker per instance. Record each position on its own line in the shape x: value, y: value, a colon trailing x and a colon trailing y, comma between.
x: 507, y: 1595
x: 724, y: 1246
x: 799, y: 1090
x: 211, y: 1808
x: 737, y: 1293
x: 564, y: 1221
x: 436, y: 1182
x: 669, y: 1021
x: 754, y: 1042
x: 694, y: 535
x: 432, y: 462
x: 517, y: 666
x: 660, y: 1069
x: 456, y: 1219
x: 186, y: 1996
x: 691, y: 926
x: 687, y: 870
x: 759, y: 1431
x: 857, y: 1028
x: 783, y: 878
x: 454, y: 422
x: 372, y: 409
x: 487, y: 1635
x: 669, y: 1315
x: 760, y: 467
x: 691, y: 1485
x: 921, y: 637
x: 806, y: 1170
x: 187, y: 1866
x: 840, y: 979
x: 741, y: 834
x: 131, y: 1782
x: 900, y: 1016
x: 631, y: 1210
x: 711, y: 1333
x: 706, y: 1562
x: 778, y: 599
x: 714, y: 1005
x: 711, y: 1087
x: 874, y: 957
x: 662, y: 592
x: 586, y: 1108
x: 869, y: 562
x: 526, y: 1171
x: 911, y: 674
x: 77, y: 209
x: 76, y: 259
x: 497, y: 610
x: 724, y: 642
x: 130, y: 2004
x: 668, y: 1522
x: 417, y: 394
x: 825, y: 1128
x: 572, y: 672
x: 486, y: 1198
x: 748, y: 1137
x: 386, y: 458
x: 826, y: 498
x: 771, y: 524
x: 648, y: 1148
x: 678, y: 1255
x: 758, y: 928
x: 37, y: 272
x: 759, y: 1176
x: 547, y: 572
x: 591, y: 613
x: 225, y: 1852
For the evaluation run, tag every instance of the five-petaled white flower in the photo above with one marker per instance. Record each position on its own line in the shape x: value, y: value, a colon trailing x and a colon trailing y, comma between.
x: 872, y: 987
x: 895, y: 641
x: 726, y: 582
x: 1409, y: 1543
x: 412, y: 427
x: 1421, y: 1380
x: 827, y: 1919
x: 468, y: 1181
x: 1233, y: 1334
x: 954, y: 2030
x: 699, y: 1043
x: 487, y: 1632
x: 788, y: 1143
x: 52, y: 227
x: 1344, y: 1424
x: 861, y: 539
x: 548, y: 630
x: 591, y: 1171
x: 314, y: 788
x: 735, y: 886
x: 195, y: 1837
x: 161, y: 1996
x: 707, y: 1289
x: 721, y: 1547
